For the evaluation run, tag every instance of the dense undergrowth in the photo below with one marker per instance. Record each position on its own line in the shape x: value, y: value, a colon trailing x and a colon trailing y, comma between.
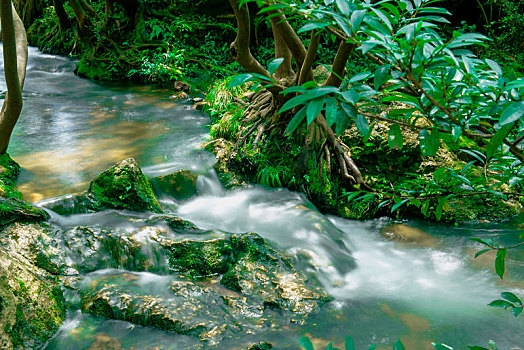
x: 189, y: 41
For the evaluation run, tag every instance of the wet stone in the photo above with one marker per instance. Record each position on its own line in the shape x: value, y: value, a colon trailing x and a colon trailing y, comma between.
x: 259, y: 270
x: 179, y: 185
x: 123, y: 186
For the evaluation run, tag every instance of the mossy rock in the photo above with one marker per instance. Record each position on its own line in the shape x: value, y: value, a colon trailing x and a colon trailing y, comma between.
x: 9, y: 170
x: 32, y: 304
x: 200, y: 258
x: 123, y: 186
x: 483, y: 207
x: 261, y: 271
x: 180, y: 185
x: 17, y: 210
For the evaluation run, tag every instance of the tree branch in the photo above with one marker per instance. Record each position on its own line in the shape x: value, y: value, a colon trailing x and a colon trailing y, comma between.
x: 306, y: 74
x: 339, y: 64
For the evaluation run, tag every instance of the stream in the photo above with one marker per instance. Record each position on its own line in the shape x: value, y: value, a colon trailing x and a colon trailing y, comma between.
x: 71, y: 129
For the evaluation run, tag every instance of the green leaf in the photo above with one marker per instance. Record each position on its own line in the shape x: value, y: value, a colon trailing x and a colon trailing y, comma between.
x: 331, y: 110
x: 395, y: 139
x: 372, y: 347
x: 480, y: 252
x: 295, y: 121
x: 476, y: 348
x: 359, y: 77
x: 440, y: 207
x: 314, y: 107
x: 273, y: 65
x: 500, y: 262
x: 350, y: 110
x: 517, y: 310
x: 497, y: 140
x: 294, y: 102
x: 398, y: 345
x: 513, y: 113
x: 329, y: 346
x: 363, y: 126
x: 500, y: 303
x: 381, y: 76
x: 511, y: 297
x: 240, y: 79
x: 312, y: 26
x: 349, y: 343
x: 481, y: 241
x: 343, y: 6
x: 429, y: 142
x: 306, y: 343
x: 399, y: 204
x: 356, y: 19
x: 456, y: 132
x: 495, y: 66
x: 441, y: 346
x: 425, y: 206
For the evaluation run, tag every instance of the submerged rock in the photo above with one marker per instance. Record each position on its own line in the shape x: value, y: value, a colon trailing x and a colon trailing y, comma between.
x: 408, y: 234
x: 261, y: 271
x: 123, y: 186
x: 31, y: 304
x: 180, y: 185
x: 180, y: 306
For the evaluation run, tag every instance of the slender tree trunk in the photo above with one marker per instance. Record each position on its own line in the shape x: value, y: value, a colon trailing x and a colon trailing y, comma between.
x: 15, y: 61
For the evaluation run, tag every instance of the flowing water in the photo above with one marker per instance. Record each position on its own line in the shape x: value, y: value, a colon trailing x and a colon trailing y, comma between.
x: 71, y: 129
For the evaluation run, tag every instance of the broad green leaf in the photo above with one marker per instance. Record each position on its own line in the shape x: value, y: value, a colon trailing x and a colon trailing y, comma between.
x: 294, y: 102
x: 395, y: 139
x: 363, y: 126
x: 273, y: 65
x: 440, y: 207
x: 381, y: 76
x: 372, y: 347
x: 295, y: 121
x: 429, y: 142
x: 343, y: 6
x: 495, y: 66
x: 441, y: 346
x: 497, y: 140
x: 500, y: 261
x: 350, y: 110
x: 349, y: 343
x: 476, y: 348
x: 500, y: 303
x: 513, y: 113
x: 240, y: 79
x: 356, y: 19
x: 480, y: 252
x: 350, y: 96
x: 343, y: 119
x: 456, y: 132
x: 314, y: 107
x: 511, y: 297
x: 517, y: 310
x: 398, y: 345
x: 329, y: 346
x: 331, y: 110
x: 359, y: 77
x: 306, y: 343
x: 425, y: 207
x: 399, y: 204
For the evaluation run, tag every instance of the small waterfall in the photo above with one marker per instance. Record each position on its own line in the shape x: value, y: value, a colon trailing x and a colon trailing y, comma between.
x: 209, y: 185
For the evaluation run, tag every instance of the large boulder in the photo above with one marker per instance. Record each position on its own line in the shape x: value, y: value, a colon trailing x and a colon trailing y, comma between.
x: 32, y: 307
x: 17, y: 210
x: 260, y: 270
x: 173, y: 304
x: 407, y: 234
x: 123, y: 186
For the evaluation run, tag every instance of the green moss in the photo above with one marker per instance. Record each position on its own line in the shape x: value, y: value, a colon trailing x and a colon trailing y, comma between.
x: 200, y: 258
x: 123, y: 186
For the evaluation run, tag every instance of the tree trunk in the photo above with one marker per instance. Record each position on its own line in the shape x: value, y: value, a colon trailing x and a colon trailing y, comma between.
x: 15, y: 61
x: 63, y: 19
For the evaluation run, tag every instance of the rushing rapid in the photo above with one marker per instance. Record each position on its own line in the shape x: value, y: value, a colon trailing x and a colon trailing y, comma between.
x: 433, y: 290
